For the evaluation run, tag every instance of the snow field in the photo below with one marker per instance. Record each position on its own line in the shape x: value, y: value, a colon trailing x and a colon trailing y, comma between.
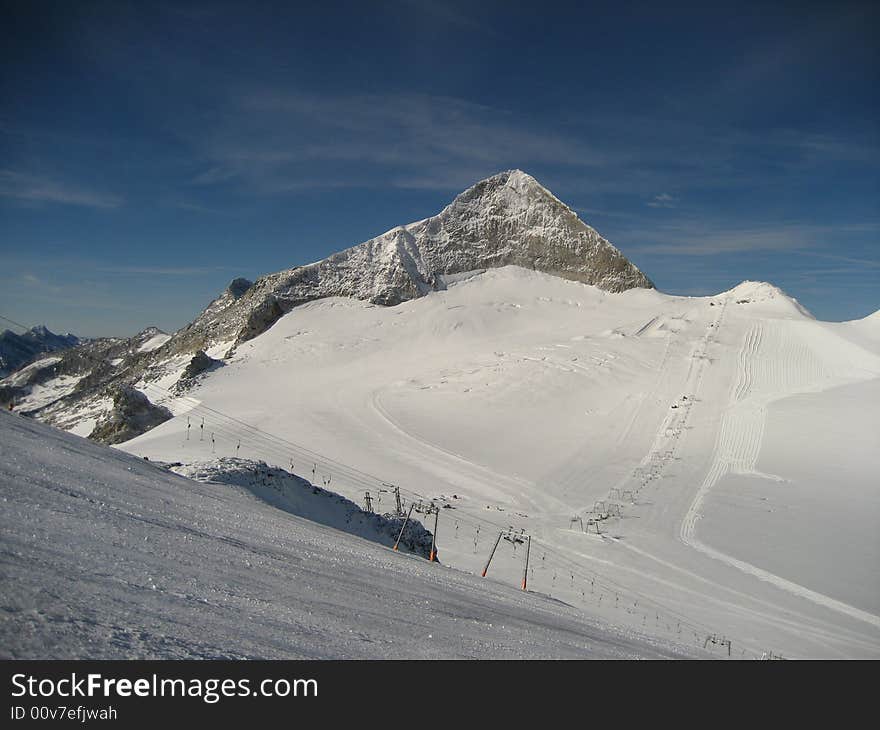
x: 533, y: 399
x: 717, y: 444
x: 108, y: 556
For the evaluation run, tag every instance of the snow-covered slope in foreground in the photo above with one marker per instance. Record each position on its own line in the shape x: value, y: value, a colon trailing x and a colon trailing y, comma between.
x: 107, y: 556
x: 737, y: 437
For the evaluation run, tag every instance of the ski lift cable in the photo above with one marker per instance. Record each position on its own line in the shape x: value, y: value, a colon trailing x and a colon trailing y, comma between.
x: 269, y: 443
x: 266, y: 437
x: 603, y: 582
x: 12, y: 321
x: 276, y: 444
x: 260, y: 439
x: 270, y: 436
x: 613, y: 587
x: 260, y: 442
x: 352, y: 474
x: 273, y: 444
x: 268, y: 448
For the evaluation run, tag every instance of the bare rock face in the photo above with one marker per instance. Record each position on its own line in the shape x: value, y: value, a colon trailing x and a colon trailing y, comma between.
x: 132, y: 415
x: 199, y: 364
x: 261, y: 318
x: 510, y: 219
x: 238, y: 287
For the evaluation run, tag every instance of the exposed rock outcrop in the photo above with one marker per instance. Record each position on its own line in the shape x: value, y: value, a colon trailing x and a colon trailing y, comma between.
x: 199, y: 364
x: 132, y: 415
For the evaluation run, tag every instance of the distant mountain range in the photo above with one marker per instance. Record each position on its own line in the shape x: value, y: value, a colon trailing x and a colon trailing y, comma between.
x: 18, y: 350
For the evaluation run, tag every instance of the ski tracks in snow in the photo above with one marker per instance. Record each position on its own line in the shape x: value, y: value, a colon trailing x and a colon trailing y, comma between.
x: 507, y: 487
x: 663, y: 449
x: 772, y: 364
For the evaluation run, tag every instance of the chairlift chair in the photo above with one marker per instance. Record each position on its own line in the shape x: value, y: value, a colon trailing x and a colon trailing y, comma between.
x: 516, y: 538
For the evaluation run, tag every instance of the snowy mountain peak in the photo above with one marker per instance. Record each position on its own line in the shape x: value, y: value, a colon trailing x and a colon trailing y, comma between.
x: 758, y: 292
x: 506, y: 219
x: 514, y: 188
x: 757, y: 288
x: 525, y: 183
x: 513, y: 179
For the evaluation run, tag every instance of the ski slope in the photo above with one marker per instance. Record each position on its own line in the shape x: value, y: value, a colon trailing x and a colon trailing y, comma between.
x: 105, y: 555
x: 520, y: 399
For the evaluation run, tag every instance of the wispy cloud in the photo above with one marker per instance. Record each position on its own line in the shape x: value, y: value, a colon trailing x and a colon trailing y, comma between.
x: 691, y: 238
x: 449, y: 13
x: 600, y: 212
x: 195, y: 207
x: 36, y: 285
x: 860, y: 263
x: 44, y: 268
x: 275, y: 141
x: 38, y: 189
x: 164, y: 270
x: 214, y: 175
x: 664, y: 200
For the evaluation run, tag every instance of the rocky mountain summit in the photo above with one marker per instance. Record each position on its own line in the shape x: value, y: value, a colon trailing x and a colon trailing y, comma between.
x: 507, y: 219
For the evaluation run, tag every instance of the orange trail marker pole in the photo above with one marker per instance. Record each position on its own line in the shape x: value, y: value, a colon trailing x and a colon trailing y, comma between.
x: 433, y: 556
x: 526, y: 569
x: 397, y: 542
x: 494, y: 547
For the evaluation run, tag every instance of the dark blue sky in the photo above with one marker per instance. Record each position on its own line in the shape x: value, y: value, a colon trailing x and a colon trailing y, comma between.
x: 151, y: 152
